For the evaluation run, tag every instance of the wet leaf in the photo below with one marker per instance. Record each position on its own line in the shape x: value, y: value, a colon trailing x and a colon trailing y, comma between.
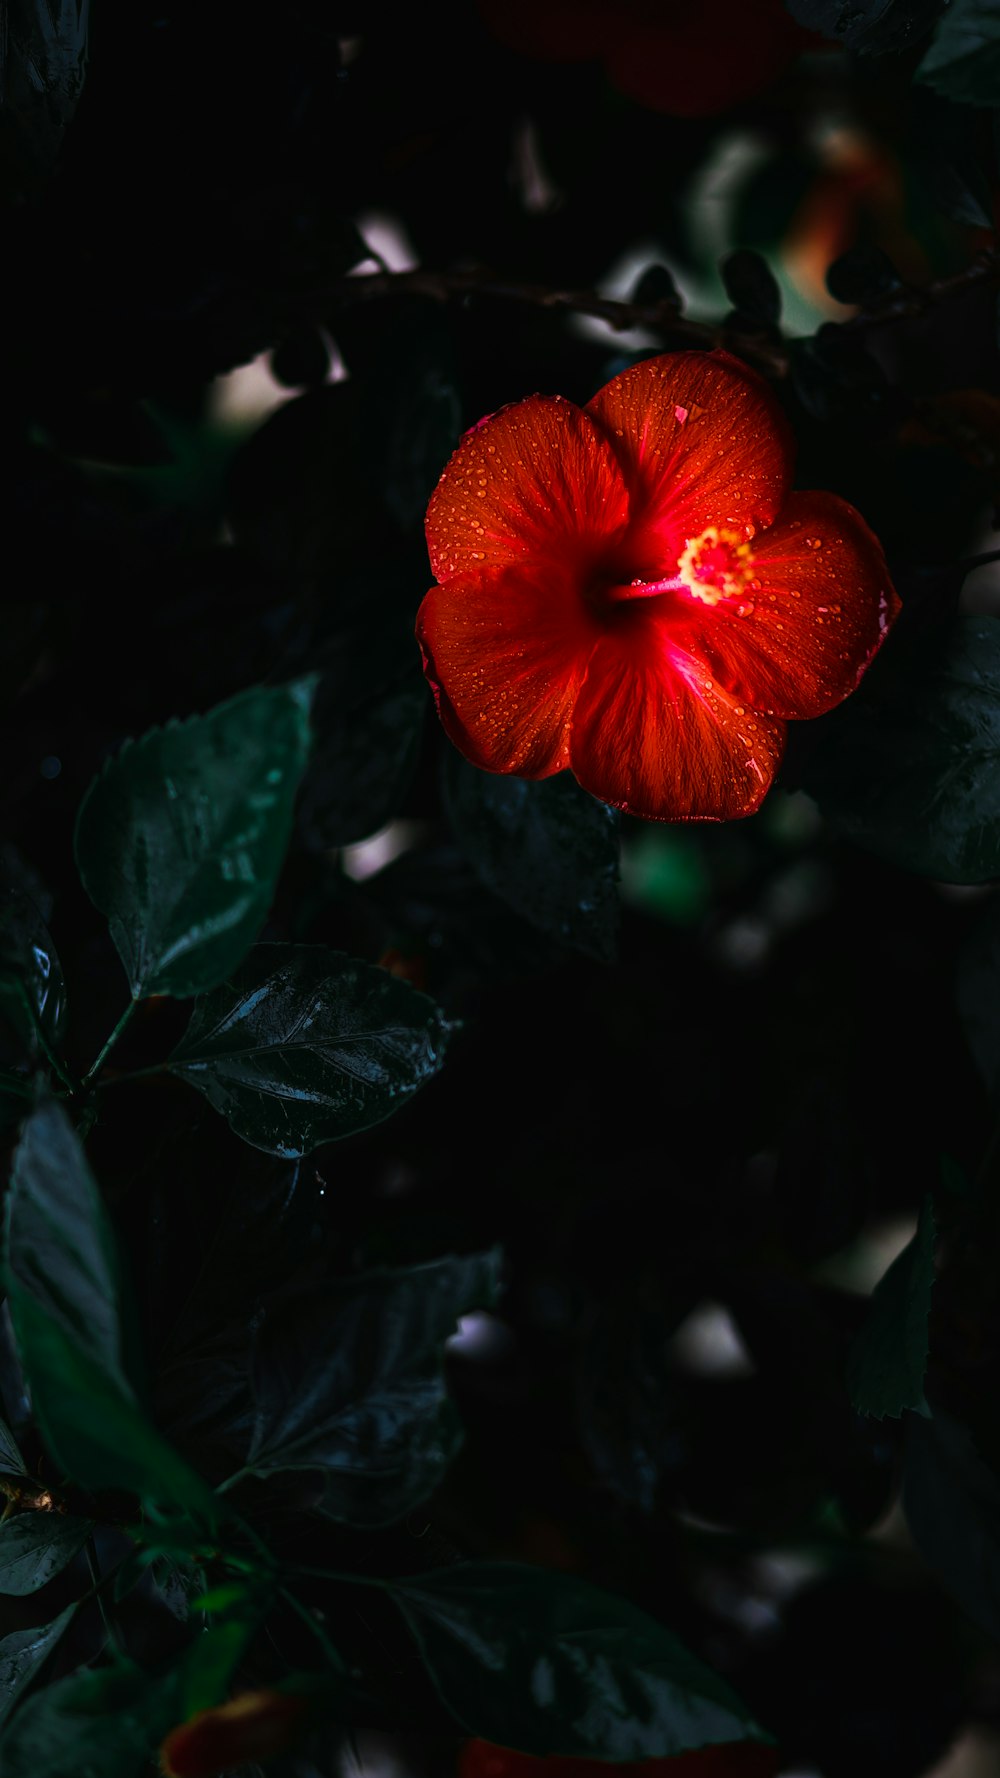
x: 23, y: 1654
x: 65, y: 1294
x: 888, y: 1361
x: 364, y: 760
x: 869, y: 27
x: 11, y: 1461
x: 546, y: 847
x: 181, y: 838
x: 909, y: 767
x: 36, y: 1545
x: 548, y: 1664
x: 963, y: 61
x: 304, y: 1045
x: 952, y: 1505
x: 353, y: 1385
x: 93, y: 1724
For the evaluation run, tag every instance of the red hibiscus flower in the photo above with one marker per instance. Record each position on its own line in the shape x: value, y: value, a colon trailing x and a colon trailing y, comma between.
x: 253, y: 1726
x: 739, y: 1759
x: 631, y: 590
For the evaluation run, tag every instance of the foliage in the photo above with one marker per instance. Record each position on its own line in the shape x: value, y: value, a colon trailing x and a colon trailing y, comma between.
x: 445, y: 1220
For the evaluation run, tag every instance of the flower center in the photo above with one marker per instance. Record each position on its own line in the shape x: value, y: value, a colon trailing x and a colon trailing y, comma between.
x: 717, y: 565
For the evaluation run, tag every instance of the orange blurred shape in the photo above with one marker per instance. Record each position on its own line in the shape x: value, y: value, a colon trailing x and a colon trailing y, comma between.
x: 253, y: 1726
x: 410, y: 969
x: 736, y: 1759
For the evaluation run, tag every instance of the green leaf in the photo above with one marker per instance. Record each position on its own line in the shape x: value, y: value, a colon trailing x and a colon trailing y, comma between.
x: 181, y: 838
x: 93, y: 1724
x: 548, y: 848
x: 548, y: 1664
x: 963, y: 61
x: 910, y: 766
x: 353, y: 1385
x: 952, y: 1505
x: 11, y: 1461
x: 36, y: 1545
x: 304, y: 1045
x: 23, y: 1654
x: 978, y: 993
x: 64, y: 1289
x: 32, y: 989
x: 888, y: 1360
x: 210, y: 1662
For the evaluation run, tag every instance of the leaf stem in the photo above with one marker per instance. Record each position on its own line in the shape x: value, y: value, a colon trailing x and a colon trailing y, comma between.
x: 101, y: 1058
x: 331, y: 1652
x: 90, y: 1551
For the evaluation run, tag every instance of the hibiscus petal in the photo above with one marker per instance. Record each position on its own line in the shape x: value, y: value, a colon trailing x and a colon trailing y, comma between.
x: 506, y: 652
x: 701, y: 441
x: 655, y: 734
x: 824, y: 605
x: 537, y: 481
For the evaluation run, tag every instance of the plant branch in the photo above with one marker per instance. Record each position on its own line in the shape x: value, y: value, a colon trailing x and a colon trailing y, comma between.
x: 758, y: 345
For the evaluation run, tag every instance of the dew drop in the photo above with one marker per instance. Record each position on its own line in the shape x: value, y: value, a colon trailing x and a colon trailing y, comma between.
x: 814, y: 542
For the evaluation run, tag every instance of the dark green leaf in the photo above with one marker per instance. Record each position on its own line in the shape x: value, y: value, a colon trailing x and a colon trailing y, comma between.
x: 910, y: 766
x: 43, y: 61
x: 11, y: 1461
x: 626, y: 1396
x: 305, y: 1045
x: 36, y: 1545
x: 549, y: 1664
x: 23, y: 1655
x: 963, y: 61
x: 952, y: 1505
x: 101, y: 1724
x: 64, y: 1291
x: 549, y: 849
x: 978, y: 993
x: 870, y: 27
x: 31, y: 980
x: 752, y: 287
x: 363, y: 763
x: 887, y: 1363
x: 353, y: 1385
x: 181, y: 838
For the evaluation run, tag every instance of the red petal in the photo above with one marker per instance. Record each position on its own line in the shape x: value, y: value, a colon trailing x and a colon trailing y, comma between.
x: 738, y: 1759
x: 707, y: 57
x: 535, y: 482
x: 506, y: 651
x: 701, y: 441
x: 255, y: 1725
x: 824, y: 605
x: 655, y: 734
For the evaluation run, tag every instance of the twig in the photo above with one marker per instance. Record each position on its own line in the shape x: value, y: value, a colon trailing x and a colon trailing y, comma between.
x: 758, y: 345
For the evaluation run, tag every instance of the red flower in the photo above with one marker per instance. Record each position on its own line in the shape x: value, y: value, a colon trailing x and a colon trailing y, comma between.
x: 738, y: 1759
x: 632, y: 591
x: 253, y: 1726
x: 670, y: 55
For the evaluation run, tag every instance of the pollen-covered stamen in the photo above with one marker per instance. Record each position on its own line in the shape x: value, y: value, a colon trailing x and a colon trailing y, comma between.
x: 717, y: 565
